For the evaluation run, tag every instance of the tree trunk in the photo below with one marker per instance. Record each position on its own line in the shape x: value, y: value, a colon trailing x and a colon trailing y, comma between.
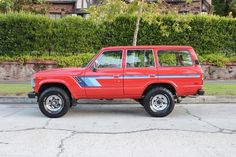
x: 140, y: 9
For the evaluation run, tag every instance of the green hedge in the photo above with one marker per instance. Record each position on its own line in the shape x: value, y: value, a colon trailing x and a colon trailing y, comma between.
x: 21, y: 32
x: 207, y: 34
x: 79, y: 60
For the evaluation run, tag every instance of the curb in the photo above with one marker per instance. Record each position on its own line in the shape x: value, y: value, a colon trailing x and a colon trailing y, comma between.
x: 188, y: 100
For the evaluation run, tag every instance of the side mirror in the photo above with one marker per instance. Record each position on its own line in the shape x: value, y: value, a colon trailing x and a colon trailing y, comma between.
x: 94, y: 69
x: 197, y: 62
x: 95, y: 65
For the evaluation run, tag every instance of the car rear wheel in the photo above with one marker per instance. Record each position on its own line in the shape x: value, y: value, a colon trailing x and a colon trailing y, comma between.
x: 140, y: 101
x: 54, y: 102
x: 159, y: 102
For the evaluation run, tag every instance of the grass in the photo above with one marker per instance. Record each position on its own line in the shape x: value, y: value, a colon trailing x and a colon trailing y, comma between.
x: 220, y: 89
x: 15, y: 89
x: 210, y: 88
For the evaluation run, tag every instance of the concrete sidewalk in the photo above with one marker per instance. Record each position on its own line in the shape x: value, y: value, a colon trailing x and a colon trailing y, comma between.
x: 187, y: 100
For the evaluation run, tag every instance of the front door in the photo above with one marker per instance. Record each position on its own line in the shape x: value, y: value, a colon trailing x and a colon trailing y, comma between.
x: 105, y: 81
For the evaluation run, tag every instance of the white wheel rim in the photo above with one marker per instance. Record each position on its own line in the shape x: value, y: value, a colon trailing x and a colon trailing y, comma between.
x: 159, y: 102
x: 54, y: 104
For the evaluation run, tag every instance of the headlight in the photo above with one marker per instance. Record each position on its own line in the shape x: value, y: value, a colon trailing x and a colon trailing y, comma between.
x: 32, y: 82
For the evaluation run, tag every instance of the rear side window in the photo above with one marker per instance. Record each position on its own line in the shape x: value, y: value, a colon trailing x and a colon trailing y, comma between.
x: 140, y: 58
x: 174, y: 58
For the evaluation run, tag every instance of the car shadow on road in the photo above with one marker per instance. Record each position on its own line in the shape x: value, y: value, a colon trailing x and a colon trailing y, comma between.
x: 117, y: 110
x: 87, y: 110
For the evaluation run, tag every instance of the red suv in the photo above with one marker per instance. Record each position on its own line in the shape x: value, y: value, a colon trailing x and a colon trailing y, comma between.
x: 152, y: 75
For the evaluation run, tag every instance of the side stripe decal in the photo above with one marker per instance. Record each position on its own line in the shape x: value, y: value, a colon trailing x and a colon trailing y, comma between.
x: 179, y: 76
x: 91, y: 81
x: 134, y: 76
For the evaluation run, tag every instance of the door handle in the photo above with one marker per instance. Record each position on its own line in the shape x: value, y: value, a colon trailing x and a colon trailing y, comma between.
x: 152, y: 75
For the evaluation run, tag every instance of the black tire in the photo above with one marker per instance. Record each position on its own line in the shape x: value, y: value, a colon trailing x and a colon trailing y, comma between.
x: 54, y: 96
x: 159, y: 102
x: 140, y: 101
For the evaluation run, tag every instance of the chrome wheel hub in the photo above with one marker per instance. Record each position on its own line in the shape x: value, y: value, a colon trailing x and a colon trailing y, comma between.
x: 54, y: 104
x: 159, y: 102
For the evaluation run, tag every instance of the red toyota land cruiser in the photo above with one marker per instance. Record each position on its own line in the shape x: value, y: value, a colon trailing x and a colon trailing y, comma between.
x: 153, y: 75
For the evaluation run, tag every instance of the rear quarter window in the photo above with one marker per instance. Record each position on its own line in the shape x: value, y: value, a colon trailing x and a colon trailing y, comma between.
x: 174, y: 58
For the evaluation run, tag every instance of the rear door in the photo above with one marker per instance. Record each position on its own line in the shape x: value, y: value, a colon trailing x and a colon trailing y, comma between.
x: 177, y: 66
x: 140, y: 70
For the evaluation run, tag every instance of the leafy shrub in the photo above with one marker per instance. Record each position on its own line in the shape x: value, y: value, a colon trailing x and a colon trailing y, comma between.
x: 204, y: 33
x: 24, y: 32
x: 217, y: 59
x: 77, y: 60
x: 21, y: 32
x: 73, y: 35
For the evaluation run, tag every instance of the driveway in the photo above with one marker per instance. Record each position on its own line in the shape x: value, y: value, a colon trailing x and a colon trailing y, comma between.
x: 192, y: 130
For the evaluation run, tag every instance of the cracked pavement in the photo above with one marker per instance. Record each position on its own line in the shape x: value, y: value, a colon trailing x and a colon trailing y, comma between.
x: 126, y: 130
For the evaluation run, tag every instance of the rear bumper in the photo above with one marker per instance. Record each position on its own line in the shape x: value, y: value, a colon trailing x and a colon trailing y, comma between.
x: 31, y: 95
x: 200, y: 92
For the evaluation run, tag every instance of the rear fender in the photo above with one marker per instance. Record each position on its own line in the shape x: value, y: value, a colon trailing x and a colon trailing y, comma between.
x: 162, y: 82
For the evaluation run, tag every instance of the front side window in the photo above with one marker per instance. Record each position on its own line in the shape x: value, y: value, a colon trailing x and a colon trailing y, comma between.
x: 109, y: 59
x: 140, y: 58
x: 174, y: 58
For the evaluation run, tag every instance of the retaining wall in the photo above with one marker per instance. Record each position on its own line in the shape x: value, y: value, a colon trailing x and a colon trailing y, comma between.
x: 23, y: 72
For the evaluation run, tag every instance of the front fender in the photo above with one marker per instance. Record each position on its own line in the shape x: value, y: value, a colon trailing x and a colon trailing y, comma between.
x: 75, y: 90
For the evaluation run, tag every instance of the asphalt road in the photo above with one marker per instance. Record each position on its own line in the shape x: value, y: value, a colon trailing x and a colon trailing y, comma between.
x: 192, y: 130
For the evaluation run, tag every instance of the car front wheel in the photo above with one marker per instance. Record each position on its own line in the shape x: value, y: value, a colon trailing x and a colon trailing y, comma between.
x: 54, y: 102
x: 159, y: 102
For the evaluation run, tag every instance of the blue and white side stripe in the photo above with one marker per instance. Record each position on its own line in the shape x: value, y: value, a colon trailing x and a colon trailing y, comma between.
x: 91, y: 81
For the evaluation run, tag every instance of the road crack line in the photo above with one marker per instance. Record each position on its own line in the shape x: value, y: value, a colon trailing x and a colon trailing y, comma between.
x: 3, y: 142
x: 119, y: 132
x: 47, y: 123
x: 220, y: 130
x: 62, y: 142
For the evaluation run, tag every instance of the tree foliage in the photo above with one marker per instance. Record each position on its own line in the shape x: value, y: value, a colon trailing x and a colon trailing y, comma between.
x: 108, y: 10
x: 224, y: 7
x: 36, y: 6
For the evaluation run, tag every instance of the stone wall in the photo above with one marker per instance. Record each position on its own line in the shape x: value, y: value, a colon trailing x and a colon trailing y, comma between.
x: 23, y: 72
x: 212, y: 72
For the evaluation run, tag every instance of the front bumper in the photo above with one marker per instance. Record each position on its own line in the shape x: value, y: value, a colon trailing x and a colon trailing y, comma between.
x: 31, y: 95
x: 200, y: 92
